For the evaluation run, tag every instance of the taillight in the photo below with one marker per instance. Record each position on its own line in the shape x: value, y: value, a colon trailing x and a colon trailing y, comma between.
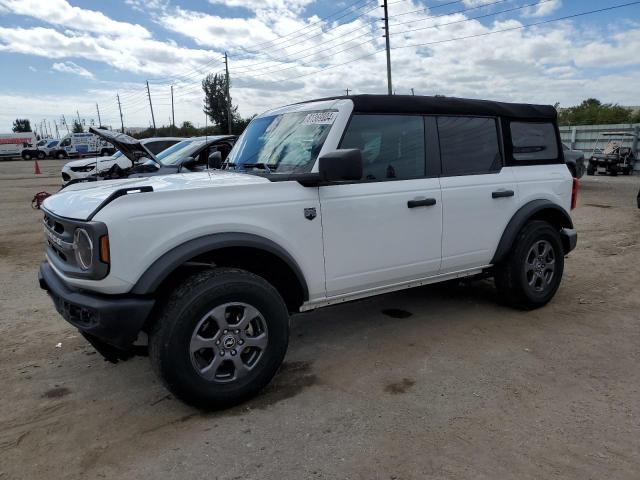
x: 574, y: 193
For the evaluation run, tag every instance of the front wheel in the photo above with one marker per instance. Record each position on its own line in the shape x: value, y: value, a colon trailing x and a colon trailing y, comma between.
x: 26, y: 156
x: 530, y: 275
x: 41, y: 156
x: 61, y: 155
x: 220, y: 338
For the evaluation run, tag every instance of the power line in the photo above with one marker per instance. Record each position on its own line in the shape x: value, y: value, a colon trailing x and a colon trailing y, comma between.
x: 464, y: 10
x: 474, y: 18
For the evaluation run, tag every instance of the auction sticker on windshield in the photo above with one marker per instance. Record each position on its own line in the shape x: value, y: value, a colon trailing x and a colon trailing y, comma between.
x: 320, y: 118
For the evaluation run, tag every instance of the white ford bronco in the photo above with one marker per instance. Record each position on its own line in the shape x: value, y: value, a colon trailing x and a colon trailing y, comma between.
x: 318, y: 203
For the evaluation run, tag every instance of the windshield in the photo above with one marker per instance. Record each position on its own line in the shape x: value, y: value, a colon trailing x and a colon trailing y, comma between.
x: 288, y: 143
x: 174, y: 154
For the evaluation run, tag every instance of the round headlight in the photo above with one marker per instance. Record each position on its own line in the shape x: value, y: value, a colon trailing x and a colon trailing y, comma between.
x: 83, y: 247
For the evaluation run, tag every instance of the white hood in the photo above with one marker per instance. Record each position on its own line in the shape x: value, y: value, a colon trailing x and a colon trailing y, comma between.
x: 80, y: 200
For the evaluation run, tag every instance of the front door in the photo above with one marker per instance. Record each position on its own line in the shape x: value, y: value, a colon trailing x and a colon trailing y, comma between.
x: 387, y: 228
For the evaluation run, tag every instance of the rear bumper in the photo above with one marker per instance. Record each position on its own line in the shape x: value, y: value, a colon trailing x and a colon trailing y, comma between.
x: 114, y: 319
x: 569, y: 239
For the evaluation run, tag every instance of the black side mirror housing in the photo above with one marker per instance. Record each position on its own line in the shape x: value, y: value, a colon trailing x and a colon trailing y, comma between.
x: 341, y: 165
x: 215, y: 160
x: 188, y: 162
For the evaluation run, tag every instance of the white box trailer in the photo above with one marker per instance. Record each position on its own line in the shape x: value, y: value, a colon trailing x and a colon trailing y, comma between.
x: 12, y: 144
x: 81, y: 144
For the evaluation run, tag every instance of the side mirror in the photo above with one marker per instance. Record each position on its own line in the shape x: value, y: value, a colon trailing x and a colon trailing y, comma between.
x: 215, y: 160
x: 188, y: 163
x: 341, y: 165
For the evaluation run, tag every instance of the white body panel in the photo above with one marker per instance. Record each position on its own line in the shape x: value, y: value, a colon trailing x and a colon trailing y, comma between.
x: 472, y: 220
x: 372, y: 238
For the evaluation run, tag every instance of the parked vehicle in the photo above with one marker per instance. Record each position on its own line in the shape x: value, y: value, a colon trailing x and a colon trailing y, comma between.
x: 12, y: 144
x: 321, y: 203
x: 575, y: 161
x: 613, y: 154
x: 146, y: 148
x: 49, y: 146
x: 82, y: 144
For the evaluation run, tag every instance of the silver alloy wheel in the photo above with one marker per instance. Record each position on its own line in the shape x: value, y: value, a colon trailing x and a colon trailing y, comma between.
x: 540, y: 265
x: 228, y: 342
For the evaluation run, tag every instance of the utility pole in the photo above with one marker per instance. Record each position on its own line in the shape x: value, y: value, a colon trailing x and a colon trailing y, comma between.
x: 50, y: 129
x: 99, y: 120
x: 173, y: 113
x: 226, y: 67
x: 79, y: 121
x: 64, y: 122
x: 386, y: 36
x: 151, y: 105
x: 120, y: 108
x: 347, y: 90
x: 57, y: 132
x: 412, y: 92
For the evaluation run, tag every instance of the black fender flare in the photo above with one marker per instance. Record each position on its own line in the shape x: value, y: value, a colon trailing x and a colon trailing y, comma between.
x: 177, y: 256
x: 520, y: 218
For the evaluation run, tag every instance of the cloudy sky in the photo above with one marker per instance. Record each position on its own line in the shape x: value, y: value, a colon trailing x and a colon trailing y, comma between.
x: 60, y: 57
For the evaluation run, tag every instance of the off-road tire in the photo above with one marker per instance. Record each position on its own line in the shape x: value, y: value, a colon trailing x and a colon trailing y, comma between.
x: 511, y: 277
x: 178, y: 318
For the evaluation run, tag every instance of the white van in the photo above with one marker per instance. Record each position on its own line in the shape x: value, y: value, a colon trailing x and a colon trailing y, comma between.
x: 80, y: 144
x: 12, y: 144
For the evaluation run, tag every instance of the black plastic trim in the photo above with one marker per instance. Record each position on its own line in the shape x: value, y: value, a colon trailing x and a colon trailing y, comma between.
x: 519, y: 219
x: 115, y: 319
x: 165, y: 265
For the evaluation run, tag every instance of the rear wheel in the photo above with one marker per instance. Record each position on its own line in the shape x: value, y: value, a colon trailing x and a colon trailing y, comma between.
x: 41, y: 156
x: 530, y: 275
x: 61, y: 155
x: 26, y: 156
x: 220, y: 338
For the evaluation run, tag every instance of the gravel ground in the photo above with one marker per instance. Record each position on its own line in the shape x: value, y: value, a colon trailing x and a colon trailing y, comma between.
x: 437, y: 382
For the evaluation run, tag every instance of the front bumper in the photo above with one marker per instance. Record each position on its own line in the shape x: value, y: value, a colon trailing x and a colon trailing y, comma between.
x: 114, y: 319
x: 569, y: 239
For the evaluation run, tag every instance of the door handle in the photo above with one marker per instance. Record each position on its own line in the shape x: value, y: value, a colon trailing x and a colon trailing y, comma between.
x: 503, y: 194
x: 422, y: 202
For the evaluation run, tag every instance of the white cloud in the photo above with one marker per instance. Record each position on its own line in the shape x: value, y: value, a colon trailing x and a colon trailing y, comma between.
x: 543, y: 9
x: 61, y: 13
x: 32, y: 68
x: 544, y: 64
x: 70, y: 67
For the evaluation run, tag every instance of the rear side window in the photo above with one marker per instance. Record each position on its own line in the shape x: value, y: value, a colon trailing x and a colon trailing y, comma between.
x: 534, y: 141
x: 393, y: 146
x: 159, y: 146
x: 469, y: 145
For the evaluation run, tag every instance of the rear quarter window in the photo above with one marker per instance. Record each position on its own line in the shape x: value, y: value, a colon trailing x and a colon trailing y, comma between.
x: 533, y: 142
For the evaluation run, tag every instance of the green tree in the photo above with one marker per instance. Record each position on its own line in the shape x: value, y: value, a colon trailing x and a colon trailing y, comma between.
x: 21, y: 125
x: 215, y: 102
x: 593, y: 112
x: 77, y: 127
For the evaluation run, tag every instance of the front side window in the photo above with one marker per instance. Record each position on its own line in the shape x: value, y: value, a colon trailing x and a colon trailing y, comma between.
x: 469, y: 145
x: 534, y: 141
x: 393, y: 146
x: 284, y: 143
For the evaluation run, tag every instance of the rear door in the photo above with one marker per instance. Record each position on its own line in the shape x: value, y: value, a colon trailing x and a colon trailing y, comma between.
x: 385, y: 229
x: 479, y: 194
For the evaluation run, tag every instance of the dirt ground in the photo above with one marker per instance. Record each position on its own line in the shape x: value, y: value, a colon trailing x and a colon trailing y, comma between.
x: 437, y: 382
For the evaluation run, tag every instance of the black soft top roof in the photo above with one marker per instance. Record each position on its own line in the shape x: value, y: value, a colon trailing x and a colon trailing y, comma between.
x: 446, y: 106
